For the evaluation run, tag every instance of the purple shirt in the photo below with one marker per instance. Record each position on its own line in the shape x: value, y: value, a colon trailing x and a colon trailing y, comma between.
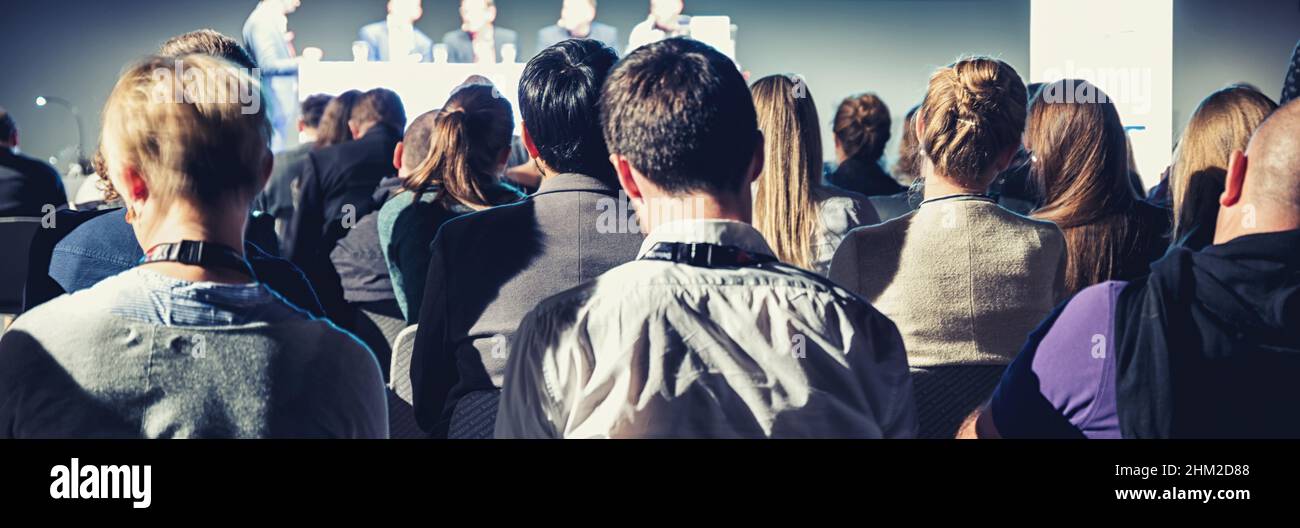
x: 1063, y: 384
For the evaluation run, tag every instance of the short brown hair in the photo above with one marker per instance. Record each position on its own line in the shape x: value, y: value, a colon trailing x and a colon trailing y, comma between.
x: 974, y: 110
x: 862, y: 126
x: 680, y: 112
x: 382, y: 106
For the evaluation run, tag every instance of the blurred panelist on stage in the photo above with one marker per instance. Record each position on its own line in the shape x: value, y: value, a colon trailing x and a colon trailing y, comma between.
x: 397, y: 38
x: 267, y: 37
x: 577, y: 21
x: 479, y: 40
x: 665, y: 21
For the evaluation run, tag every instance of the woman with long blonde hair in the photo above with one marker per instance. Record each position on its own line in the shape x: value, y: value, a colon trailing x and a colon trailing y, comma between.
x: 803, y: 220
x: 1221, y: 124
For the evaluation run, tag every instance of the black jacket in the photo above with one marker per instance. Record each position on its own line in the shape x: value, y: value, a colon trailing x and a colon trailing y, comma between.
x: 337, y: 191
x: 1208, y: 346
x: 490, y: 268
x: 27, y: 185
x: 865, y: 178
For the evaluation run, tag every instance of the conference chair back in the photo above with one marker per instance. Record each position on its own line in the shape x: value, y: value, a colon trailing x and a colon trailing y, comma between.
x: 947, y: 395
x: 401, y: 414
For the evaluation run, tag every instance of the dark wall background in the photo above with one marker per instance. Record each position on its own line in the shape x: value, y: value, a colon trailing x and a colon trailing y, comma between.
x: 76, y: 48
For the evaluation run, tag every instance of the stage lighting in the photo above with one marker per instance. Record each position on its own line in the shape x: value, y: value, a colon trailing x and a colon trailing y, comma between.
x: 40, y: 101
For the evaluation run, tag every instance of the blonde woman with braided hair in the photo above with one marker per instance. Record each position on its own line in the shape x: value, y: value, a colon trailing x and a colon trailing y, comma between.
x: 803, y: 220
x: 964, y: 279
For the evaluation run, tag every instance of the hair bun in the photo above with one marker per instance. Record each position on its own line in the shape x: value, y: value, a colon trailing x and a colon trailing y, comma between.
x: 974, y: 110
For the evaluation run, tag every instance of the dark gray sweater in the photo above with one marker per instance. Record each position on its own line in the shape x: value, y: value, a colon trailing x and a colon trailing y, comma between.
x: 70, y: 369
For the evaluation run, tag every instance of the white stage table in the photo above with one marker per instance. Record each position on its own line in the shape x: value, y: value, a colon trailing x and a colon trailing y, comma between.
x: 422, y: 86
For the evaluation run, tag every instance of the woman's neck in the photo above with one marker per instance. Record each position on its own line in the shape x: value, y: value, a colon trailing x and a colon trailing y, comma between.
x: 938, y: 186
x: 182, y: 223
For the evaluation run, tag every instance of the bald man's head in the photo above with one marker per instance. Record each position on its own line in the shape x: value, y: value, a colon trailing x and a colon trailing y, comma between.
x: 416, y: 143
x: 1273, y: 160
x: 1261, y: 193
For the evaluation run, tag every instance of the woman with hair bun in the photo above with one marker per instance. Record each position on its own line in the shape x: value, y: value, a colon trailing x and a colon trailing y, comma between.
x: 861, y: 129
x: 964, y: 279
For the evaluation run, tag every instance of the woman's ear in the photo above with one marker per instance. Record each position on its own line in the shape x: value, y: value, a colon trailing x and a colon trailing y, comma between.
x: 134, y: 187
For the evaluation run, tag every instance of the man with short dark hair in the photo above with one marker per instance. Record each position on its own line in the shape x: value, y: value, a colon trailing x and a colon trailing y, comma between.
x: 27, y: 185
x: 338, y: 187
x: 280, y: 195
x: 705, y: 335
x: 1204, y: 347
x: 488, y: 269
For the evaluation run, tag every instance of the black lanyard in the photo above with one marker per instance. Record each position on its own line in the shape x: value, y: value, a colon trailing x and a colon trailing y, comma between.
x: 202, y: 254
x: 982, y: 197
x: 706, y: 255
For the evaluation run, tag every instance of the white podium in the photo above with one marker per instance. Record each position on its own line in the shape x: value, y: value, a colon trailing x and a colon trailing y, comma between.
x: 422, y: 86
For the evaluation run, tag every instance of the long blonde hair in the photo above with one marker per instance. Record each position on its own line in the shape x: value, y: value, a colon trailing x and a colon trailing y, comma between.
x: 1221, y: 124
x: 785, y: 211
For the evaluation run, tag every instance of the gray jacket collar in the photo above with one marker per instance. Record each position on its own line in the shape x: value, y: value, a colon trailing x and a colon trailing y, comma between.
x: 574, y: 183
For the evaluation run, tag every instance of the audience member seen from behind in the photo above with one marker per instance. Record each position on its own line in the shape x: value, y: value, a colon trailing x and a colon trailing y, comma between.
x: 338, y: 188
x: 964, y: 279
x: 789, y: 354
x: 1221, y: 124
x: 241, y: 362
x: 861, y: 129
x: 281, y: 193
x: 489, y: 269
x: 106, y: 246
x: 469, y: 148
x: 1205, y: 347
x: 1080, y: 167
x: 800, y: 217
x: 334, y: 129
x: 28, y: 186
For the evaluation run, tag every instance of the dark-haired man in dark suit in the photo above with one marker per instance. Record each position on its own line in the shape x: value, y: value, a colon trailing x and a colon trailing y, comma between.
x: 489, y: 268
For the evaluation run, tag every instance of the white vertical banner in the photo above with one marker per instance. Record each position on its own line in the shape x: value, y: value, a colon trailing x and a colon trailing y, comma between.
x: 1124, y: 47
